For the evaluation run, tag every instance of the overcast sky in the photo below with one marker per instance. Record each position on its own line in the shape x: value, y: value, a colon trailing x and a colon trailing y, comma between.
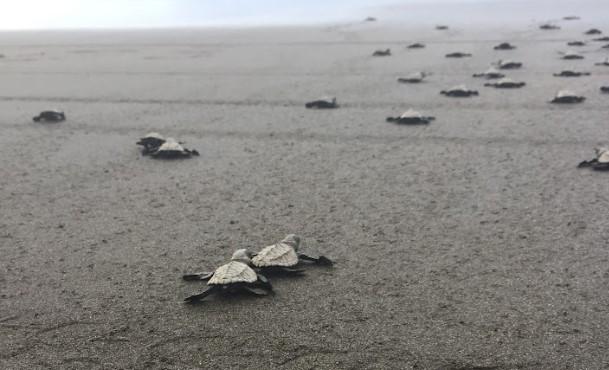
x: 43, y: 14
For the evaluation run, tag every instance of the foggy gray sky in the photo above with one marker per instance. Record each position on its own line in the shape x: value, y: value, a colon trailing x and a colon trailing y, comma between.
x: 42, y: 14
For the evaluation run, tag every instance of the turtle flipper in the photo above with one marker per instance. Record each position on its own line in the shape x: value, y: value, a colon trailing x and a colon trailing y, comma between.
x: 291, y: 271
x: 198, y: 276
x: 256, y: 291
x: 198, y: 297
x: 600, y: 166
x: 264, y: 281
x: 587, y: 163
x: 321, y: 260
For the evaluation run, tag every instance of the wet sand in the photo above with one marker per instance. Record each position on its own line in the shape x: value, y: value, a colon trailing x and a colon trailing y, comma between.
x: 471, y: 243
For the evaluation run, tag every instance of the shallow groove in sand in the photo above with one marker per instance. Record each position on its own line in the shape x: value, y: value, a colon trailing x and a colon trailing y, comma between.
x: 472, y: 104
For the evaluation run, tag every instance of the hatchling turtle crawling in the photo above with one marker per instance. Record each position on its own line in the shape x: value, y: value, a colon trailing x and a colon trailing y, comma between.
x: 283, y: 257
x: 441, y: 27
x: 603, y: 63
x: 571, y: 73
x: 50, y: 116
x: 548, y: 26
x: 322, y: 103
x: 567, y: 97
x: 602, y: 39
x: 508, y: 64
x: 382, y: 53
x: 600, y: 163
x: 490, y: 74
x: 506, y: 83
x: 171, y: 149
x: 416, y: 45
x: 572, y: 55
x: 370, y: 19
x: 234, y: 277
x: 505, y: 46
x: 576, y: 43
x: 413, y: 78
x: 458, y: 54
x: 593, y: 31
x: 151, y: 142
x: 605, y: 89
x: 411, y: 117
x: 460, y: 91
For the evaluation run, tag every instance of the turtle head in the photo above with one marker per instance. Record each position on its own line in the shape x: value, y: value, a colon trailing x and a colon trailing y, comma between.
x: 292, y: 240
x: 599, y: 151
x: 242, y: 255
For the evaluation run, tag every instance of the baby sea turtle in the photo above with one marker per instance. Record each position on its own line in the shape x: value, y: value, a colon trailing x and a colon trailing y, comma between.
x: 151, y: 142
x: 283, y: 257
x: 576, y: 43
x: 506, y: 83
x: 172, y: 149
x: 490, y: 74
x: 567, y: 97
x: 508, y: 64
x: 50, y: 116
x: 600, y: 163
x: 601, y: 39
x: 458, y: 54
x: 416, y: 45
x: 382, y: 53
x: 571, y: 73
x: 504, y: 46
x: 571, y: 18
x: 322, y: 103
x: 593, y: 31
x: 605, y: 89
x: 411, y: 117
x: 370, y: 19
x: 460, y: 91
x: 441, y: 27
x: 548, y: 26
x: 572, y: 55
x: 603, y: 63
x: 413, y: 78
x: 234, y: 277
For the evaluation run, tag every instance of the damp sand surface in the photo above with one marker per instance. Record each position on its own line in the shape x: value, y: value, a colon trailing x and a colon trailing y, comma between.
x: 470, y: 243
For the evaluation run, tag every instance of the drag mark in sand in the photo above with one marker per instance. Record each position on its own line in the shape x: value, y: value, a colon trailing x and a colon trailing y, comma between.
x: 485, y: 106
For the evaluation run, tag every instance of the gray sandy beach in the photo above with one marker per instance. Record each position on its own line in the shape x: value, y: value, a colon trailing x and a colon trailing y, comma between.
x: 470, y: 243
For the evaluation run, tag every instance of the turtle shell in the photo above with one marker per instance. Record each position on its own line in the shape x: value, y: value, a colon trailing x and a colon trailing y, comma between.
x: 459, y: 88
x: 411, y: 113
x: 572, y: 55
x: 565, y: 94
x: 327, y: 100
x: 233, y: 272
x: 506, y: 81
x: 604, y: 62
x: 490, y: 73
x: 154, y: 136
x: 593, y: 31
x: 280, y: 254
x: 602, y: 155
x: 508, y: 64
x: 170, y: 145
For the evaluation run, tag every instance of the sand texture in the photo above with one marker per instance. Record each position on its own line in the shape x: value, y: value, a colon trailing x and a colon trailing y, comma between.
x: 470, y: 243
